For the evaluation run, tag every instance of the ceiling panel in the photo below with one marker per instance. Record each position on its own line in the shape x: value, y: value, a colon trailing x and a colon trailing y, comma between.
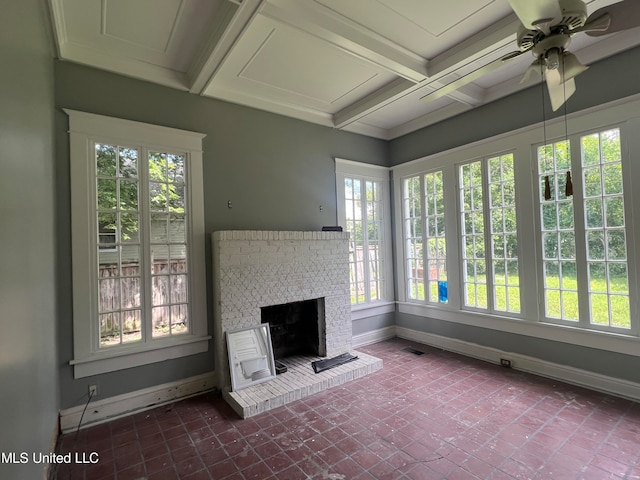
x: 297, y: 63
x: 164, y: 33
x: 122, y: 22
x: 426, y: 28
x: 436, y: 16
x: 287, y: 66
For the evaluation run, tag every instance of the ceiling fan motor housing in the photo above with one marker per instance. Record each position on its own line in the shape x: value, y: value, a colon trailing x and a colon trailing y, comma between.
x: 574, y: 15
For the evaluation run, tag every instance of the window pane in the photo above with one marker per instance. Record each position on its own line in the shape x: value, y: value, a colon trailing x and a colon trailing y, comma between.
x: 118, y: 244
x: 605, y: 235
x: 110, y: 329
x: 170, y: 284
x: 161, y: 318
x: 373, y: 254
x: 128, y: 162
x: 131, y: 326
x: 107, y: 194
x: 503, y: 221
x: 412, y: 217
x: 435, y: 246
x: 363, y: 212
x: 472, y: 217
x: 558, y: 232
x: 105, y: 160
x: 353, y: 208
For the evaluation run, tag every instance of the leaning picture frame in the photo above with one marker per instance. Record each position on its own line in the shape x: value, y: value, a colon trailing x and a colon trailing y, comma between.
x: 250, y: 356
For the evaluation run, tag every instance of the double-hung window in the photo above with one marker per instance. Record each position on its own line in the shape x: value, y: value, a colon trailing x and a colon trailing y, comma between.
x: 138, y: 243
x: 583, y: 231
x: 364, y: 211
x: 490, y: 273
x: 424, y: 237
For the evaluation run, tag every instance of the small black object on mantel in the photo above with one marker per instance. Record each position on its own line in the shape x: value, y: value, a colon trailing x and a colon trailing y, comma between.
x: 330, y: 228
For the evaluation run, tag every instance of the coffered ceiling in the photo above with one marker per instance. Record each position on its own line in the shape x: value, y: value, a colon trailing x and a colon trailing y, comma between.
x: 376, y: 67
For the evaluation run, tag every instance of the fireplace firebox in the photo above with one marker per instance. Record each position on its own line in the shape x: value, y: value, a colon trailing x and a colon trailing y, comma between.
x: 297, y: 328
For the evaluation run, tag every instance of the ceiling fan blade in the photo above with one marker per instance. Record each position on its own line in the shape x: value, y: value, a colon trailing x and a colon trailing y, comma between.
x: 533, y: 68
x: 537, y: 15
x: 559, y: 92
x: 571, y: 67
x: 624, y: 15
x: 595, y: 24
x: 470, y: 77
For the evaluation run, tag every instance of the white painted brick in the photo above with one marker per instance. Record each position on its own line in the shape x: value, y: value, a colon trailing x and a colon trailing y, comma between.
x: 253, y: 269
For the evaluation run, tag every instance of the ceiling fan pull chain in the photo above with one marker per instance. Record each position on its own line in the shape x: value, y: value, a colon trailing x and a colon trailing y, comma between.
x: 568, y: 187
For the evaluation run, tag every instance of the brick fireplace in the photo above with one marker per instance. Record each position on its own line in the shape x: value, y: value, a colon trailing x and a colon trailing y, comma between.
x: 254, y: 270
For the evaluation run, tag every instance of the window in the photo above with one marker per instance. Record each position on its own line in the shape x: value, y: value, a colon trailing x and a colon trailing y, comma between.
x: 424, y: 237
x: 605, y: 232
x: 363, y: 215
x: 538, y: 234
x: 363, y: 211
x: 598, y: 200
x: 138, y: 253
x: 490, y: 273
x: 413, y: 238
x: 558, y: 233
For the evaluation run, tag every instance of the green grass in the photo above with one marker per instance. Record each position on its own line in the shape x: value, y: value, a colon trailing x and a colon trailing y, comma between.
x: 561, y: 304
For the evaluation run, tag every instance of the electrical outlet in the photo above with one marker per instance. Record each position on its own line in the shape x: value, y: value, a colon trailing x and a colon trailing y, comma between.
x: 93, y: 390
x: 505, y: 362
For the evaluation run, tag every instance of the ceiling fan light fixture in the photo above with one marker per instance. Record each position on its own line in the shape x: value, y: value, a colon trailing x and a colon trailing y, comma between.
x: 552, y: 58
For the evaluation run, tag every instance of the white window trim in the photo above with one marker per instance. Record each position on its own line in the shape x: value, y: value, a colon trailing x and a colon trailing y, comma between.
x: 622, y: 113
x: 84, y: 130
x: 350, y: 168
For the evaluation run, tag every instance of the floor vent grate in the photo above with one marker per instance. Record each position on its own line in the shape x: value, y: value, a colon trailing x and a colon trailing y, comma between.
x: 415, y: 351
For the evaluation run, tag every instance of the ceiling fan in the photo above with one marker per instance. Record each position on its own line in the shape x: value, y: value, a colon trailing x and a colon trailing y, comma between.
x: 546, y: 30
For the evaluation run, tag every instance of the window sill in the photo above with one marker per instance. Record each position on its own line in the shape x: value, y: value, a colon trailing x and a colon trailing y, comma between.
x: 358, y: 312
x: 111, y: 361
x: 612, y: 342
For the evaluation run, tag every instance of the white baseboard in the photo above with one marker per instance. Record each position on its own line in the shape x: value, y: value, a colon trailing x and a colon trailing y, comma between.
x: 122, y: 405
x: 374, y: 336
x: 574, y: 376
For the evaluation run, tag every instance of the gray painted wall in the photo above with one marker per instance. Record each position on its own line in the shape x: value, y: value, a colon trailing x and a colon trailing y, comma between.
x: 276, y: 171
x: 608, y: 80
x: 375, y: 322
x: 28, y: 372
x: 612, y: 364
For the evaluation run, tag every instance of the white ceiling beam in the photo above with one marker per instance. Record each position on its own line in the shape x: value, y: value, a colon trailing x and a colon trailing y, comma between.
x: 378, y: 99
x: 232, y: 22
x: 351, y: 37
x: 482, y: 44
x: 430, y: 118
